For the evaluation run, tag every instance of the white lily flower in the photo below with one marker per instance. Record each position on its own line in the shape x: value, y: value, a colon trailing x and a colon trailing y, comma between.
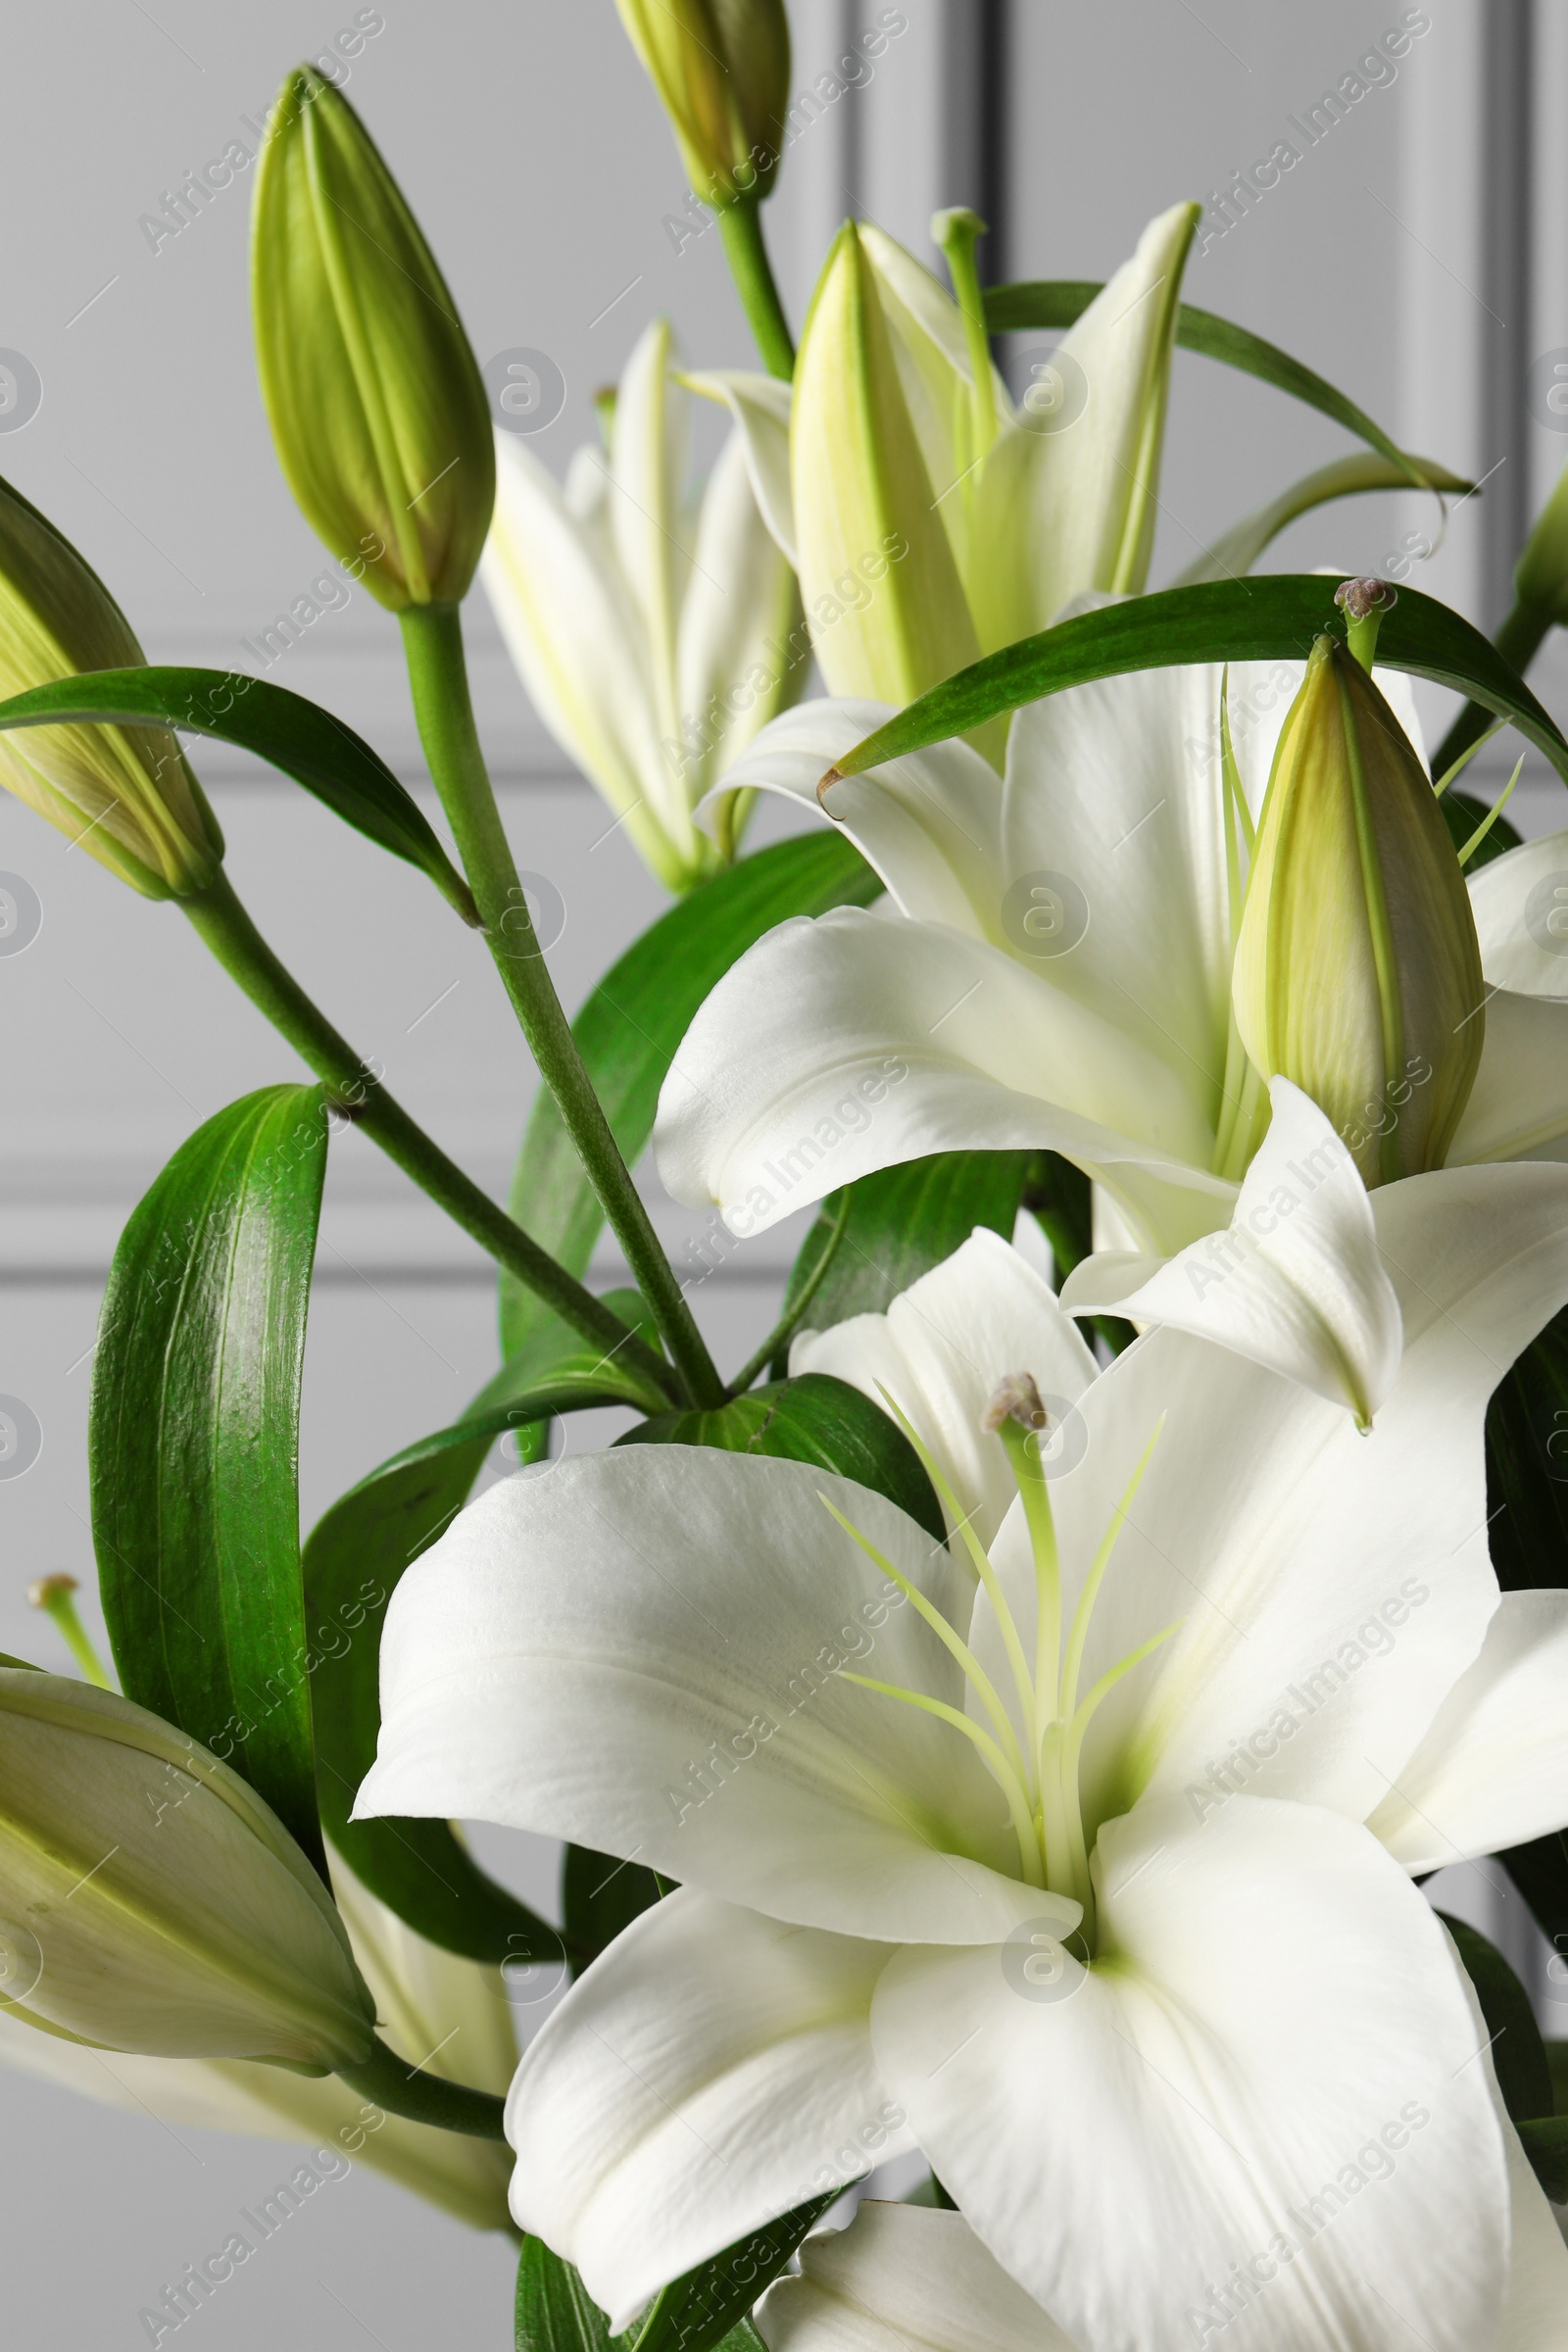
x: 654, y: 636
x: 903, y: 2276
x: 930, y: 521
x: 905, y: 1790
x: 1062, y: 975
x: 424, y: 1998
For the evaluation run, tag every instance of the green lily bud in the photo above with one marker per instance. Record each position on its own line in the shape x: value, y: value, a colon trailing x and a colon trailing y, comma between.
x: 150, y: 1900
x: 877, y: 572
x: 375, y: 399
x: 125, y: 793
x: 1357, y: 974
x: 722, y: 71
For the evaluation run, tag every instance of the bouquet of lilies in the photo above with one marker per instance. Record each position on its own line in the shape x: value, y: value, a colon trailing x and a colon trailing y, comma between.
x: 1005, y: 1723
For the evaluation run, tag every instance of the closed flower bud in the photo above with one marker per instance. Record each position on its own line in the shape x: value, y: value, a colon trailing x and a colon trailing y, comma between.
x: 150, y: 1900
x: 723, y: 70
x: 125, y: 793
x: 375, y: 399
x: 1357, y: 973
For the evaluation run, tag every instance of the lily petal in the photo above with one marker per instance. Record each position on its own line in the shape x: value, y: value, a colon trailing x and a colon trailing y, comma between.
x: 1521, y: 917
x: 1519, y: 1102
x: 818, y: 1010
x: 1535, y: 2316
x: 930, y: 824
x: 1205, y: 2096
x: 900, y: 2276
x: 940, y: 1352
x: 1295, y: 1285
x: 761, y: 408
x: 1493, y: 1768
x: 640, y: 1652
x: 710, y: 2071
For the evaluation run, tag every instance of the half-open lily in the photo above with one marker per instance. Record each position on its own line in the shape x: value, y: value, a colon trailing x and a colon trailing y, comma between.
x: 653, y: 634
x: 1061, y: 977
x: 929, y: 518
x: 1080, y: 1863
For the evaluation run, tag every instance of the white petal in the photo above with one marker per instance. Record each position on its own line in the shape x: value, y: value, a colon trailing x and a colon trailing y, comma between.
x: 1060, y: 511
x: 711, y: 2070
x: 647, y: 471
x: 1519, y: 1102
x: 930, y: 824
x: 1116, y: 786
x: 1535, y: 2316
x: 942, y: 1348
x: 1520, y: 902
x: 1493, y: 1768
x: 1295, y: 1285
x: 849, y: 1044
x: 640, y: 1652
x: 901, y: 2276
x: 761, y: 408
x: 1274, y: 2020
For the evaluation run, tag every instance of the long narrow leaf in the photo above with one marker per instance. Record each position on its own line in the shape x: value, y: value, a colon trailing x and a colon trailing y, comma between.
x: 194, y: 1442
x: 1239, y: 548
x: 1222, y: 620
x: 1058, y: 302
x: 632, y: 1023
x: 297, y: 737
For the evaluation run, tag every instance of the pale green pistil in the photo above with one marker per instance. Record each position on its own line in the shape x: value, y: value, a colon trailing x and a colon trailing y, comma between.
x: 1038, y: 1773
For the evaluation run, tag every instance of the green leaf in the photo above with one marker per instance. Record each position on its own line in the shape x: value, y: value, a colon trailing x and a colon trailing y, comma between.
x: 193, y: 1439
x: 296, y: 737
x: 1544, y: 2140
x: 1461, y: 815
x: 1239, y: 548
x: 1527, y: 1464
x: 696, y: 2312
x: 816, y: 1418
x: 1223, y: 620
x: 903, y: 1222
x: 598, y: 1896
x: 356, y: 1552
x: 1518, y: 2055
x: 1058, y: 302
x: 1059, y: 1197
x: 632, y: 1023
x: 554, y: 2312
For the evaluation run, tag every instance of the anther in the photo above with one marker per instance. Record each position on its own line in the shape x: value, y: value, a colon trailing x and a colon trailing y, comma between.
x: 1015, y: 1399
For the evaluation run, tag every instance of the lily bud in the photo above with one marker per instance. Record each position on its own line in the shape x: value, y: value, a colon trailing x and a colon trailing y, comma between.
x: 722, y: 71
x: 375, y: 399
x: 125, y: 793
x: 150, y: 1900
x: 878, y: 577
x: 1357, y: 973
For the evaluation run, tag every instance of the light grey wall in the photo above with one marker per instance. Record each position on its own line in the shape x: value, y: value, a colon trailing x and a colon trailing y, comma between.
x: 1390, y: 258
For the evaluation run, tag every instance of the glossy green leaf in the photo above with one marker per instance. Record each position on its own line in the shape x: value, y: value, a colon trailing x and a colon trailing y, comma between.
x: 356, y: 1552
x: 1527, y: 1464
x: 903, y: 1222
x: 1260, y: 620
x: 697, y: 2312
x: 1059, y: 1196
x: 813, y: 1419
x: 193, y: 1439
x: 554, y: 2311
x: 1058, y: 302
x: 632, y: 1023
x: 1518, y: 2056
x: 1237, y: 549
x: 599, y: 1897
x: 296, y: 737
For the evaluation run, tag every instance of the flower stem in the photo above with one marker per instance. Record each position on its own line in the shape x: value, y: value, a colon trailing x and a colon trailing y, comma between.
x: 740, y: 224
x: 224, y: 925
x: 432, y: 638
x: 402, y: 2089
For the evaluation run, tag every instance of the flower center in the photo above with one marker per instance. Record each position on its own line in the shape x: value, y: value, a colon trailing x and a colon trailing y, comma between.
x: 1034, y: 1757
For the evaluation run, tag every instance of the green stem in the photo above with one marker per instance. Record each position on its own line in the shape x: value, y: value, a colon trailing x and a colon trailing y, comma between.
x: 401, y: 2090
x: 224, y: 925
x: 1518, y: 641
x: 740, y: 224
x: 438, y: 677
